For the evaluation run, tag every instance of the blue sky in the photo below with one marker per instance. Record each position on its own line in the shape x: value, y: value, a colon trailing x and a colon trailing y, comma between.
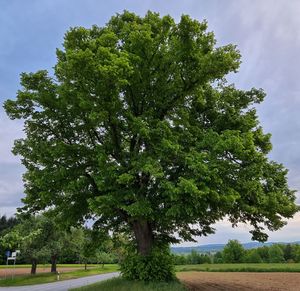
x: 266, y: 32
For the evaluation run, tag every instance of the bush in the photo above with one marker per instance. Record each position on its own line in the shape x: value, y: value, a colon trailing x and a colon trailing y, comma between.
x: 158, y: 266
x: 275, y: 254
x: 252, y: 256
x: 180, y: 259
x: 233, y: 252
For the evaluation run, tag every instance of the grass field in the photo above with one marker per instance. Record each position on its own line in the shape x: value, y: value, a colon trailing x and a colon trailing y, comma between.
x: 48, y: 277
x: 119, y: 284
x: 47, y: 266
x: 115, y: 284
x: 263, y: 267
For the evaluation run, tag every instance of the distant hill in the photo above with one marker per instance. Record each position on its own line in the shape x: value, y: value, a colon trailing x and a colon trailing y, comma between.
x: 212, y: 248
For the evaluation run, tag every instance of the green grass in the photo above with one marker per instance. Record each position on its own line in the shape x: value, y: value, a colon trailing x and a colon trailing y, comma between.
x: 119, y: 284
x: 47, y: 266
x: 48, y: 277
x: 123, y: 285
x: 264, y: 267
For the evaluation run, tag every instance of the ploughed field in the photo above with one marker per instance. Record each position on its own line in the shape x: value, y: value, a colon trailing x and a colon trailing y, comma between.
x: 241, y: 281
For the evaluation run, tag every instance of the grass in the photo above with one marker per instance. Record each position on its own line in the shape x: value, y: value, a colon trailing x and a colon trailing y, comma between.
x: 123, y: 285
x: 22, y: 280
x: 246, y: 267
x: 47, y: 266
x: 119, y: 284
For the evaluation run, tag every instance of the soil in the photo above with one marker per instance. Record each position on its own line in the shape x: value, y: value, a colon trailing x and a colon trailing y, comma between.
x: 227, y: 281
x: 26, y: 271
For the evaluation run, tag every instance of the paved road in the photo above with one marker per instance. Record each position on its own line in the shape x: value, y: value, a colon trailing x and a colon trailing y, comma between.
x: 63, y: 285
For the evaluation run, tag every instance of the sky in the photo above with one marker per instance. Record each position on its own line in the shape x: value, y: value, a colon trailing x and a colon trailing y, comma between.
x: 267, y: 33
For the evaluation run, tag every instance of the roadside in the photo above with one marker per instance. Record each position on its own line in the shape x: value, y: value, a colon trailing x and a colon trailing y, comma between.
x: 63, y: 285
x: 13, y: 278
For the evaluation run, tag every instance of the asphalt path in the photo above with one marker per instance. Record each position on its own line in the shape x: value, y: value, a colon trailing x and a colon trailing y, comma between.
x: 63, y: 285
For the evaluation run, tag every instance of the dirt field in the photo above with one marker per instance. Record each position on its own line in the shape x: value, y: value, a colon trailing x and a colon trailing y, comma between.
x: 226, y: 281
x: 24, y: 271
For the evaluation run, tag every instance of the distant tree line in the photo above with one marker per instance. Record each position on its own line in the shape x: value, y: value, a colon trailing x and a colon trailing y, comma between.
x: 234, y: 252
x: 41, y: 240
x: 6, y: 224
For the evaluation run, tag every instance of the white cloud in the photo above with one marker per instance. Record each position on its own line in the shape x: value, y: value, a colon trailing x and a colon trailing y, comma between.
x: 225, y: 232
x: 11, y: 185
x: 9, y: 131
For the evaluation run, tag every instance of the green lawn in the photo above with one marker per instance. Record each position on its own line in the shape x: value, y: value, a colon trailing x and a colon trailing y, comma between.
x: 47, y: 266
x: 119, y: 284
x: 48, y: 277
x: 245, y: 267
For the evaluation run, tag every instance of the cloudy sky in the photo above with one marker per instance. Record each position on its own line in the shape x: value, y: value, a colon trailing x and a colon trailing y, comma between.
x: 266, y: 32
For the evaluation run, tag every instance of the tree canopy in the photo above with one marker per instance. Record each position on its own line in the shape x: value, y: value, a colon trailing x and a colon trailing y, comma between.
x: 139, y: 129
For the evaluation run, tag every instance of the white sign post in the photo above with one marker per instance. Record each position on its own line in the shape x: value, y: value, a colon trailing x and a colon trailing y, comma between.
x: 13, y: 257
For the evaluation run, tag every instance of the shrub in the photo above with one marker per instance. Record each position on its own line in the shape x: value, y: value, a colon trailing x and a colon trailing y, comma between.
x: 157, y: 266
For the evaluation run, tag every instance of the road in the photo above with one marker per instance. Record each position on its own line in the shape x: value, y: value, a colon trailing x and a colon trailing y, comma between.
x: 63, y: 285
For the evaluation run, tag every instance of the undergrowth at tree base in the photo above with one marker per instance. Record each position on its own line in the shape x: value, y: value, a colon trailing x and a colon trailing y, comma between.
x: 158, y: 266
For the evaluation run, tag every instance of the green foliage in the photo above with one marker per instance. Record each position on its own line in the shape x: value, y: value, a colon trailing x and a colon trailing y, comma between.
x: 287, y: 252
x: 275, y: 254
x: 90, y: 246
x: 139, y: 117
x: 233, y: 252
x: 252, y: 256
x: 218, y: 258
x: 157, y: 266
x: 179, y: 259
x: 244, y: 267
x: 6, y: 224
x: 296, y: 253
x: 139, y: 129
x: 193, y: 258
x: 264, y: 253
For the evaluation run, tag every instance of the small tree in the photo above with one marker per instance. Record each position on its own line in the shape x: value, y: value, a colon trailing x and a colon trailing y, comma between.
x: 26, y: 236
x: 276, y: 254
x: 233, y: 252
x: 6, y: 224
x: 55, y: 240
x: 180, y: 259
x: 264, y: 253
x: 90, y: 244
x: 252, y: 256
x: 296, y: 253
x: 218, y: 258
x: 288, y: 252
x: 193, y: 257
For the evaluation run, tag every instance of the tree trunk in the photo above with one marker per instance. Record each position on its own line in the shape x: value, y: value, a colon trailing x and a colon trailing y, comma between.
x: 85, y: 266
x: 53, y: 263
x: 33, y: 266
x: 144, y: 237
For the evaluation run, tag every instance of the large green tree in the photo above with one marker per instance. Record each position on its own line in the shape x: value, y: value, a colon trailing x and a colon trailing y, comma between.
x: 233, y: 252
x: 139, y: 129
